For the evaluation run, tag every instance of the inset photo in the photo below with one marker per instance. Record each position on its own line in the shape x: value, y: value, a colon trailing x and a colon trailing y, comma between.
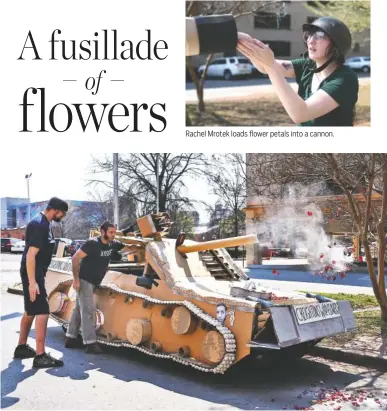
x: 278, y: 63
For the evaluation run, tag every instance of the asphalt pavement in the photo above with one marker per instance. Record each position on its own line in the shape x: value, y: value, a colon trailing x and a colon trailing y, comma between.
x: 217, y: 89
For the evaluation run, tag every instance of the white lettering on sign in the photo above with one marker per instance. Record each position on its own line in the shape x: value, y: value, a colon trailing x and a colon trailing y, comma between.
x: 309, y: 313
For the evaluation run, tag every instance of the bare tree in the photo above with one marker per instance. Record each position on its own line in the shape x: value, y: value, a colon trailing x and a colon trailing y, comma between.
x: 183, y: 221
x: 237, y: 9
x: 81, y: 218
x: 228, y: 183
x: 137, y: 178
x: 359, y: 180
x: 355, y: 13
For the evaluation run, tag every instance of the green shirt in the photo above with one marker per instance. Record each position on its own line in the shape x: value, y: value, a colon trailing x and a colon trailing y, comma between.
x: 342, y: 85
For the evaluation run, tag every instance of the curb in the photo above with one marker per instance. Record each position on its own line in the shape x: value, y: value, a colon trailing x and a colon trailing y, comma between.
x: 269, y: 267
x: 302, y: 268
x: 378, y: 363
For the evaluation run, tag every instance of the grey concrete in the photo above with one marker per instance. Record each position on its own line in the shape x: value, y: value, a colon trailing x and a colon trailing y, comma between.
x: 127, y: 379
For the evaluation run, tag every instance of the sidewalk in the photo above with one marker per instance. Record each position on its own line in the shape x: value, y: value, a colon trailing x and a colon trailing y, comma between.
x: 299, y: 264
x: 364, y: 350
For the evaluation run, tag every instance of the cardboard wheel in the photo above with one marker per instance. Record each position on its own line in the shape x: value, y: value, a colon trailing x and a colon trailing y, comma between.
x: 138, y: 331
x: 182, y: 321
x: 213, y: 347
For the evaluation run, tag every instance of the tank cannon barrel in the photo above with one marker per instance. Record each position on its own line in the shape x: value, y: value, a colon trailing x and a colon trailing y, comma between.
x: 122, y: 238
x: 214, y: 244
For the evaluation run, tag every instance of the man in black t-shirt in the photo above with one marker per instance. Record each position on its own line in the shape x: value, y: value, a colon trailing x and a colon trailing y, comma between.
x: 90, y: 264
x: 36, y: 258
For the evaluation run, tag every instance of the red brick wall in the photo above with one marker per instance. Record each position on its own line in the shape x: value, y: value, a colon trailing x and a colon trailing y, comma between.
x: 13, y: 233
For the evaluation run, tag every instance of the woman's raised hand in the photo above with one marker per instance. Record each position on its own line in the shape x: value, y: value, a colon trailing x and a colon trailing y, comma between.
x: 243, y: 37
x: 258, y: 52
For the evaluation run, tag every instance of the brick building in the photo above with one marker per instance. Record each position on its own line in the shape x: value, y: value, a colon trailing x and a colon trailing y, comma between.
x: 282, y: 30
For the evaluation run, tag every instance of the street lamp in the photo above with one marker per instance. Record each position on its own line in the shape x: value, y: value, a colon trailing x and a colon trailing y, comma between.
x: 157, y: 185
x: 28, y: 177
x: 115, y: 191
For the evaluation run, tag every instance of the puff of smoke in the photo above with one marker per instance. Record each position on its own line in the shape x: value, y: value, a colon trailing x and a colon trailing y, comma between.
x: 296, y: 223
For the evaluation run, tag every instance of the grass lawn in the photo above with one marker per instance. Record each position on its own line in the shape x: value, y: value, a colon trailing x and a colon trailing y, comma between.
x: 368, y: 322
x: 369, y: 325
x: 263, y: 111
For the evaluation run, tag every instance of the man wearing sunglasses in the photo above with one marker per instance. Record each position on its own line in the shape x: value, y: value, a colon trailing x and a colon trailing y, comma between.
x: 327, y: 89
x: 36, y: 258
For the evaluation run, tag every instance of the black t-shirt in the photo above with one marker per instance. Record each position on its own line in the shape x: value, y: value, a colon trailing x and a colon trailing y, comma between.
x: 94, y: 266
x: 39, y: 234
x: 342, y: 85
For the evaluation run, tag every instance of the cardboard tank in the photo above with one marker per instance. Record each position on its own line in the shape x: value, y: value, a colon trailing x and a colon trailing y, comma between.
x: 189, y: 302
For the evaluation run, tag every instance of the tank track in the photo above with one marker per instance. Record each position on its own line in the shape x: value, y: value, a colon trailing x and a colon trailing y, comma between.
x: 229, y: 338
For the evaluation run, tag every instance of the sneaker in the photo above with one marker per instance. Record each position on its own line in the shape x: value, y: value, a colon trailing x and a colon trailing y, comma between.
x: 73, y: 343
x: 46, y: 361
x: 93, y: 349
x: 24, y: 351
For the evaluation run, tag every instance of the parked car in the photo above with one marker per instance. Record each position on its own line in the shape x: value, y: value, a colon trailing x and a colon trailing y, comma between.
x: 72, y: 247
x: 285, y: 252
x: 301, y: 252
x: 361, y: 63
x: 228, y: 67
x: 255, y: 72
x: 18, y: 247
x: 7, y: 243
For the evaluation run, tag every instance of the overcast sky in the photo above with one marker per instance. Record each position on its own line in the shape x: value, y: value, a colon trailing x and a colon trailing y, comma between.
x: 65, y: 174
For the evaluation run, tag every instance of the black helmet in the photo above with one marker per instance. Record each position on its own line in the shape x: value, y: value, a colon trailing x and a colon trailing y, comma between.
x: 337, y: 31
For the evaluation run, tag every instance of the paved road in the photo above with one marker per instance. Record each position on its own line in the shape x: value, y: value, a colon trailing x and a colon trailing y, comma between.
x: 220, y: 89
x: 353, y: 283
x: 124, y: 379
x: 219, y: 83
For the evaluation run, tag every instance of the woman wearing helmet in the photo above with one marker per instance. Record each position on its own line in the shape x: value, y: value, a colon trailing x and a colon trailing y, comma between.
x: 328, y: 90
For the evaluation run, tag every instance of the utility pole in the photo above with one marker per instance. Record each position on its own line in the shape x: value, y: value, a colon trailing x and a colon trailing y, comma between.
x: 115, y: 191
x: 28, y: 177
x: 157, y: 184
